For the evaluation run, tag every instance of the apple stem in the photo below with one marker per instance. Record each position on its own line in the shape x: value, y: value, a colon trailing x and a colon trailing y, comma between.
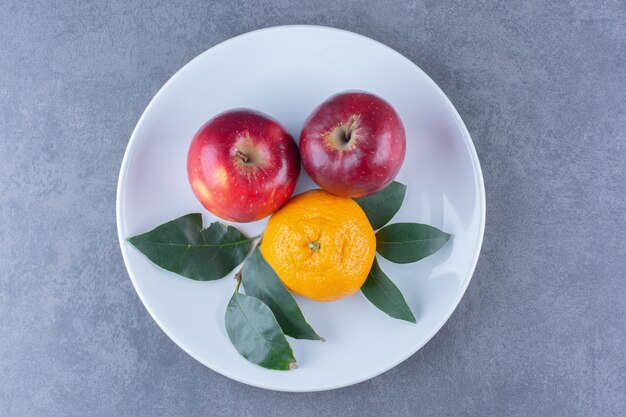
x: 350, y: 128
x: 242, y: 156
x: 314, y: 246
x: 347, y: 135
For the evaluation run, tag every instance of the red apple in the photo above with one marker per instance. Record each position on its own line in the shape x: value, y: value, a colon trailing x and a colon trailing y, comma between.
x: 353, y: 144
x: 242, y: 165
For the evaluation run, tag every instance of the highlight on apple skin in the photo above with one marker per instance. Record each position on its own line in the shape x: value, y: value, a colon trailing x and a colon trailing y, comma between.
x: 353, y: 144
x: 242, y: 165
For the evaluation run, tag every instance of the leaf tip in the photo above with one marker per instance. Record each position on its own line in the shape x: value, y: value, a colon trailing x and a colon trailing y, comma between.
x: 293, y: 365
x: 322, y: 339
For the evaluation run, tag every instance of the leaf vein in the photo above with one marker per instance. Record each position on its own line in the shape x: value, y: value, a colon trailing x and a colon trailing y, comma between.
x: 155, y: 242
x: 391, y: 298
x: 402, y: 242
x: 267, y: 342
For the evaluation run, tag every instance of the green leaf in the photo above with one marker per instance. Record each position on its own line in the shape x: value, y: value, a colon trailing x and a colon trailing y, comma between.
x: 384, y: 294
x: 260, y: 281
x: 409, y: 242
x: 255, y: 333
x: 181, y: 246
x: 382, y: 206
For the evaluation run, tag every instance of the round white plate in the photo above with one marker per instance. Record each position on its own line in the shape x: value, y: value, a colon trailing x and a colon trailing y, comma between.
x: 286, y: 72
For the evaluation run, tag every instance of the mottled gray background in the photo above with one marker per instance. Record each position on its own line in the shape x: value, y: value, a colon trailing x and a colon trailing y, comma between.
x: 541, y: 87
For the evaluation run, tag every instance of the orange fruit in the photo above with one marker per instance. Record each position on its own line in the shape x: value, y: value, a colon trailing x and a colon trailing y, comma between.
x: 320, y: 245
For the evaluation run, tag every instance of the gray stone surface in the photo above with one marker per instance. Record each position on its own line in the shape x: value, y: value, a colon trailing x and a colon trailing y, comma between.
x: 541, y: 87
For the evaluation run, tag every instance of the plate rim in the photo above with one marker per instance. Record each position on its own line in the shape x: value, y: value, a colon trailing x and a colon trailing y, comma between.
x: 475, y: 165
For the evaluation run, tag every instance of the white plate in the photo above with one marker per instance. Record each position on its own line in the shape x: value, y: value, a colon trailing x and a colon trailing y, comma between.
x: 286, y: 72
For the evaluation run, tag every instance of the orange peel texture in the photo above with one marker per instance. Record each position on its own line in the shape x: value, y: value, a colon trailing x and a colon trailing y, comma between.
x: 320, y: 245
